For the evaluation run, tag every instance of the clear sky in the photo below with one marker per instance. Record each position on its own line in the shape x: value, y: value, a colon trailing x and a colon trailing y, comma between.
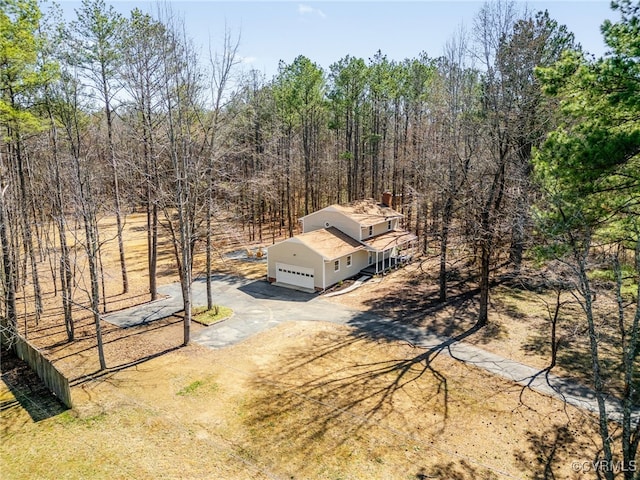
x: 326, y: 31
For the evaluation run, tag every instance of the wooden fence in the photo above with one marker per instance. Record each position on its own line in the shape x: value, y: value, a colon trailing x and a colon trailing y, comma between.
x: 48, y: 373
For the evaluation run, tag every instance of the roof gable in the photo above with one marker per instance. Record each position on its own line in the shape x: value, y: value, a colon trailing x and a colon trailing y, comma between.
x: 364, y: 212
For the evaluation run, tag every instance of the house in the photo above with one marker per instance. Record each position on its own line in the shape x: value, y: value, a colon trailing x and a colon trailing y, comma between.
x: 339, y: 242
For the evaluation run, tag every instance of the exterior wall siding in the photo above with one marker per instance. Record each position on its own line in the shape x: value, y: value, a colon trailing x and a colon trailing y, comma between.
x: 359, y: 260
x: 378, y: 229
x: 294, y: 253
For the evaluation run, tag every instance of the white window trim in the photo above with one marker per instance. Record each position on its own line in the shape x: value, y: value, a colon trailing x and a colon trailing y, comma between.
x: 389, y: 225
x: 371, y: 230
x: 336, y: 263
x: 349, y: 261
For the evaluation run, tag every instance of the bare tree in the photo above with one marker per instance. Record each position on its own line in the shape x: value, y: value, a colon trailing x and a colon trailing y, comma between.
x: 9, y: 317
x: 222, y: 66
x: 181, y: 95
x: 141, y: 72
x: 459, y: 121
x: 73, y: 119
x: 492, y: 25
x: 97, y: 38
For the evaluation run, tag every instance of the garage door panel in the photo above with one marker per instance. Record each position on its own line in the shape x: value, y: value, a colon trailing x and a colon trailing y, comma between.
x: 295, y: 275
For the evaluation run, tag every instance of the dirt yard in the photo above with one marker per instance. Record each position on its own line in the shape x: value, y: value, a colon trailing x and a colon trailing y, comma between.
x: 300, y: 401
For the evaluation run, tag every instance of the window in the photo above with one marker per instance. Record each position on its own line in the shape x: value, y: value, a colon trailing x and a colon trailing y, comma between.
x: 336, y: 265
x: 371, y: 230
x: 348, y: 260
x: 389, y: 225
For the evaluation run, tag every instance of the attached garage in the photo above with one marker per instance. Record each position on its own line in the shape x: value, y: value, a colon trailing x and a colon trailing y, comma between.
x: 315, y: 260
x: 295, y: 275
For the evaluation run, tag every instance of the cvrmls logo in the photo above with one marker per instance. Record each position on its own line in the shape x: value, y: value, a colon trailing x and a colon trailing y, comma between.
x: 604, y: 466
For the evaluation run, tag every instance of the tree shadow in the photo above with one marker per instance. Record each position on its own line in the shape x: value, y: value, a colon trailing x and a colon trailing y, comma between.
x: 109, y: 372
x: 28, y: 390
x: 123, y: 348
x: 549, y: 452
x: 112, y: 335
x: 352, y: 397
x: 574, y: 357
x: 420, y: 306
x: 455, y: 471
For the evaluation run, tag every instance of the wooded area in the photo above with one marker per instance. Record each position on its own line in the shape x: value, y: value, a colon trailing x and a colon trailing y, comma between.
x: 514, y: 146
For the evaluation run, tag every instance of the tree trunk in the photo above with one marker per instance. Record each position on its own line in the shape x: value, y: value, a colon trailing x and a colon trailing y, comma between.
x: 630, y: 343
x: 66, y: 280
x: 444, y: 245
x: 209, y: 246
x: 485, y: 269
x: 152, y: 204
x: 26, y: 228
x: 9, y: 286
x: 587, y: 305
x: 288, y: 186
x: 186, y: 272
x: 92, y: 254
x: 66, y: 277
x: 91, y: 247
x: 116, y: 184
x: 518, y: 233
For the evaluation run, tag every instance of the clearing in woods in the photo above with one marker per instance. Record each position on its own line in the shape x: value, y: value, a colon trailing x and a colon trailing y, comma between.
x: 302, y: 400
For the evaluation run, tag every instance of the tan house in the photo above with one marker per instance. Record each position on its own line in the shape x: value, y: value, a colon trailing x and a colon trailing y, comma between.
x: 339, y: 242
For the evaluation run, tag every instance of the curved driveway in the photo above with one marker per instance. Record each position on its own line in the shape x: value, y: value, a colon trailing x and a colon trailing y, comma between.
x: 258, y: 306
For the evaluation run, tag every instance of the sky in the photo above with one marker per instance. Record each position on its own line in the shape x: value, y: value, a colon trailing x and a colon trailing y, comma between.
x: 326, y: 31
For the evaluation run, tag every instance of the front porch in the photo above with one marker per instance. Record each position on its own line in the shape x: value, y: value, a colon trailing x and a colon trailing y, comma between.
x: 388, y: 251
x: 386, y: 265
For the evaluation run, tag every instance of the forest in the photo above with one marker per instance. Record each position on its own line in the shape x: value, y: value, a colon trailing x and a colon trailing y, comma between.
x: 514, y: 150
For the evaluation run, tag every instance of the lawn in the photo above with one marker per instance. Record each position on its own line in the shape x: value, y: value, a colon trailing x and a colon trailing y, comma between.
x: 209, y: 317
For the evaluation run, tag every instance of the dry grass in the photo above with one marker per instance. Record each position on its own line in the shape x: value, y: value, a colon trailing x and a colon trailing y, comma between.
x: 303, y: 400
x: 122, y: 347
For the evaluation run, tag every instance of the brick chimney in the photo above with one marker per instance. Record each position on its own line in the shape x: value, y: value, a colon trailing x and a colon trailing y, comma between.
x: 387, y: 199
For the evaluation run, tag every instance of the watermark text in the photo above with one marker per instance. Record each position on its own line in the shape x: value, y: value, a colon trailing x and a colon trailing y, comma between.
x: 603, y: 466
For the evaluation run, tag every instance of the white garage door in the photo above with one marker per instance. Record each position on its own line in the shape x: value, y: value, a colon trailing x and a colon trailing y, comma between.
x: 294, y: 275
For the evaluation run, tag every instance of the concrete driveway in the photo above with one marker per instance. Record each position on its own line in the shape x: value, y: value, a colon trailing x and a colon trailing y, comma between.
x: 257, y: 306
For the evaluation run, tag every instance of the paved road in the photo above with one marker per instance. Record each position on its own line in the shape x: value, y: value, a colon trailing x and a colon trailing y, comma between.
x: 258, y: 306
